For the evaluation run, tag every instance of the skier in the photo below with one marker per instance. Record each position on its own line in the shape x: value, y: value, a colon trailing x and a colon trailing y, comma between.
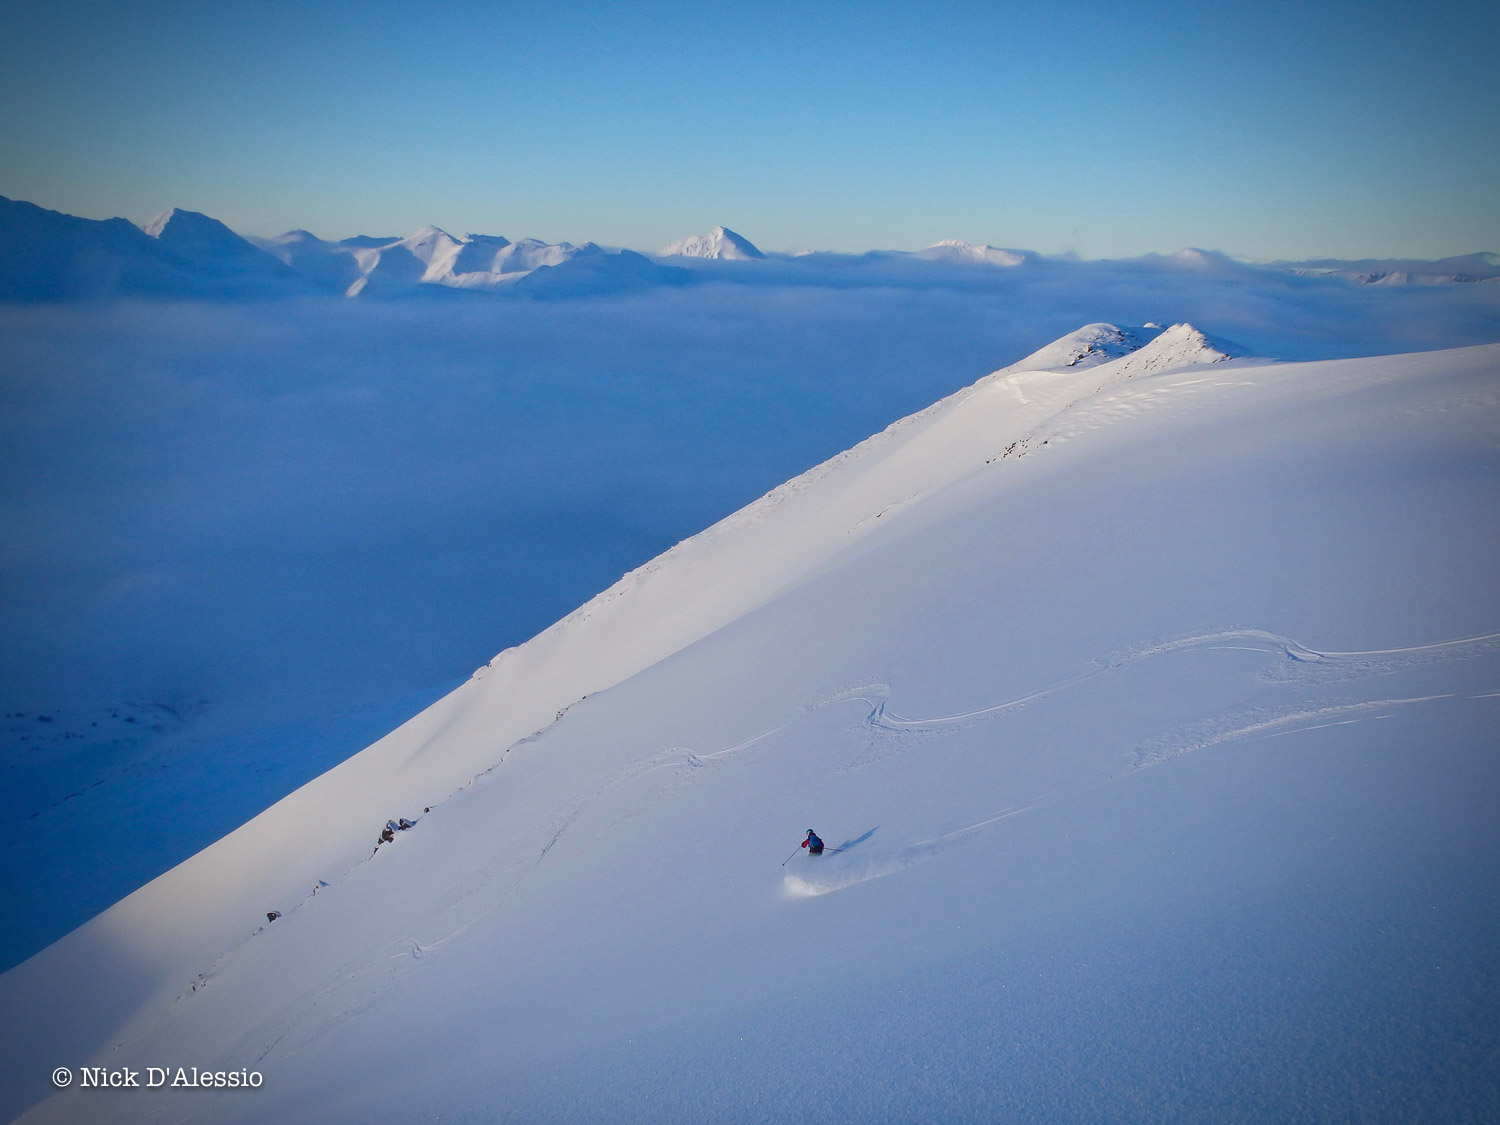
x: 813, y: 845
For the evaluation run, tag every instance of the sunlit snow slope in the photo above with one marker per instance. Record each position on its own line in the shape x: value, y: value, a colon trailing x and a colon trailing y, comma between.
x: 1147, y: 701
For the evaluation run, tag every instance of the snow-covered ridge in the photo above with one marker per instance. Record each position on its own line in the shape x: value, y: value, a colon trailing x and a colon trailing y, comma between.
x: 720, y: 243
x: 430, y: 256
x: 956, y: 250
x: 1090, y: 346
x: 1466, y: 268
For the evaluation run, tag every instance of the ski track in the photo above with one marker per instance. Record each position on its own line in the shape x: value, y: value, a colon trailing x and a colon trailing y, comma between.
x: 1298, y: 665
x: 1244, y: 724
x: 1294, y: 665
x: 1296, y: 660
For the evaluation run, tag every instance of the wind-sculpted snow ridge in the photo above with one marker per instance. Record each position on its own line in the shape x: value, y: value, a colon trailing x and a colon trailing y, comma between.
x: 1181, y: 345
x: 1090, y: 346
x: 973, y: 652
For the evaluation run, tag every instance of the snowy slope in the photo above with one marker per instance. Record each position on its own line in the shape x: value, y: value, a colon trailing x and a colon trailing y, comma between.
x: 719, y: 243
x: 280, y: 518
x: 1149, y: 708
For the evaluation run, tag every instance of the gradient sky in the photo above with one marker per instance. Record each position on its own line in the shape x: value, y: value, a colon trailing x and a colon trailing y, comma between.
x: 1266, y: 130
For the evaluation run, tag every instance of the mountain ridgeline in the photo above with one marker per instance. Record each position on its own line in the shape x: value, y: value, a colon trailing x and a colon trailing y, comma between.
x: 50, y: 257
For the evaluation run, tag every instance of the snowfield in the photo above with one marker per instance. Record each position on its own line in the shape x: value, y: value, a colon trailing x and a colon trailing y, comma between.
x: 1145, y: 693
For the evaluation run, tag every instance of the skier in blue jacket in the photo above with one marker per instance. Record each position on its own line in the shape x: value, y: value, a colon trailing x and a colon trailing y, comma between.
x: 813, y: 845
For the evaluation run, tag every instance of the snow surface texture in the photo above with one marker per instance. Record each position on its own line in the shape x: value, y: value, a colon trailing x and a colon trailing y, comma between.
x: 1146, y: 705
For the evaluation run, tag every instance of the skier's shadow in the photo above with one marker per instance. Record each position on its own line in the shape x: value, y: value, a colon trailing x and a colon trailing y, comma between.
x: 847, y: 844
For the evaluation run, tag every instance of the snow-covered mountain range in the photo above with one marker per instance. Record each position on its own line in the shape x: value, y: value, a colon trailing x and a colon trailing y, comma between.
x: 1404, y: 271
x: 1144, y: 693
x: 390, y: 267
x: 51, y: 257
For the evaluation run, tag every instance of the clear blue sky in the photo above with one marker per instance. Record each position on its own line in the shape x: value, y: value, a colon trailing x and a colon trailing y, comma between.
x: 1265, y: 130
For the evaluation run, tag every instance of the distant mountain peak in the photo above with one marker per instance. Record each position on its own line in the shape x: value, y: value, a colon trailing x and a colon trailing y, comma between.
x: 1482, y: 266
x: 1192, y: 256
x: 176, y: 226
x: 957, y: 250
x: 721, y: 242
x: 293, y: 236
x: 200, y: 240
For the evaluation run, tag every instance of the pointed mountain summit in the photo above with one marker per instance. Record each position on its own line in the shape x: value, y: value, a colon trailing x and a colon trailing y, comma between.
x: 192, y: 234
x: 1181, y: 345
x: 721, y: 243
x: 434, y: 246
x: 207, y: 243
x: 50, y: 256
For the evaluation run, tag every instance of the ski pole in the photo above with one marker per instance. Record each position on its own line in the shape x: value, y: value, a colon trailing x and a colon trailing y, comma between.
x: 791, y: 857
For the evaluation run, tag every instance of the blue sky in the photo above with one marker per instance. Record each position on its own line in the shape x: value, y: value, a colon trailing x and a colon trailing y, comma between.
x: 1265, y: 130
